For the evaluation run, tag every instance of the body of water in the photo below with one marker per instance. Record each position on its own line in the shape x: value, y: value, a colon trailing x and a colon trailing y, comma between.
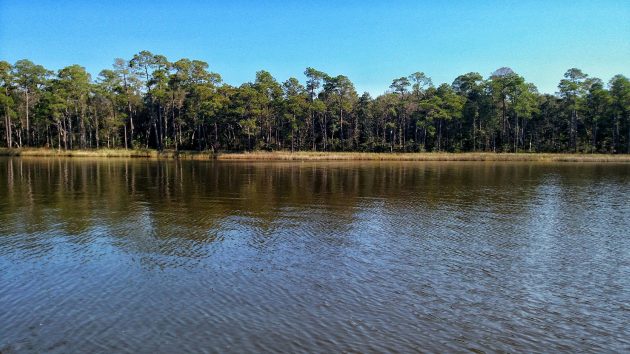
x: 136, y: 256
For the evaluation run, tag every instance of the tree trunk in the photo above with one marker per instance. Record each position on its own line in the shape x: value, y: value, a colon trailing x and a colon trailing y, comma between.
x: 157, y: 135
x: 574, y: 130
x: 174, y: 127
x: 341, y: 126
x: 440, y: 134
x: 475, y: 131
x: 28, y: 141
x: 58, y: 135
x: 594, y: 140
x: 130, y: 125
x: 216, y: 136
x: 324, y: 128
x: 516, y: 133
x: 9, y: 133
x: 313, y: 130
x: 96, y: 128
x: 503, y: 119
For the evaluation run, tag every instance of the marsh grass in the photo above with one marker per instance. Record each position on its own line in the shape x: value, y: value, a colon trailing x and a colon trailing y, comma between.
x: 430, y: 156
x: 105, y: 153
x: 314, y: 156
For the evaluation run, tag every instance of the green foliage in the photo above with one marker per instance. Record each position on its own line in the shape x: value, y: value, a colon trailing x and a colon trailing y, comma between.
x: 148, y: 101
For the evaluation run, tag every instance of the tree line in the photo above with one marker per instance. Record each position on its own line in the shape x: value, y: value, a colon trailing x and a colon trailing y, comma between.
x: 150, y: 102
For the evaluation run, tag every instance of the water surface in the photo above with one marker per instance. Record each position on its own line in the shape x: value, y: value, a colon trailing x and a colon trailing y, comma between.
x: 176, y: 256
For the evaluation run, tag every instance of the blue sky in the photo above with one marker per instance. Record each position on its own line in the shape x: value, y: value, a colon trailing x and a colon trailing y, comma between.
x: 370, y: 42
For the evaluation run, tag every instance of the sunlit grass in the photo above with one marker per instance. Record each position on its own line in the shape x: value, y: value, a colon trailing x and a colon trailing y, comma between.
x: 104, y: 153
x: 430, y: 156
x: 315, y: 156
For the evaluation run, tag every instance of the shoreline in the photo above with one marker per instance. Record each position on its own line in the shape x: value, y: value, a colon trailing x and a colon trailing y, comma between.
x: 107, y: 153
x: 315, y: 156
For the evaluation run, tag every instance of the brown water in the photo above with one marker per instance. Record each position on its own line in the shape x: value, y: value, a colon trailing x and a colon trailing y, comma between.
x: 166, y: 256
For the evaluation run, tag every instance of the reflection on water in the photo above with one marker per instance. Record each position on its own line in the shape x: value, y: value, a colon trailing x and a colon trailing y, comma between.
x: 175, y: 256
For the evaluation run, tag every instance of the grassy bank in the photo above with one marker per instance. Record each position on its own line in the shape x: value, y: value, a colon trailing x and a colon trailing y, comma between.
x: 431, y: 156
x: 102, y: 153
x: 315, y: 156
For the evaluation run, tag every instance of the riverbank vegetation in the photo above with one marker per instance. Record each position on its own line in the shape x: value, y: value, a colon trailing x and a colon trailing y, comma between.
x: 107, y: 152
x: 432, y: 156
x: 316, y: 155
x: 149, y: 102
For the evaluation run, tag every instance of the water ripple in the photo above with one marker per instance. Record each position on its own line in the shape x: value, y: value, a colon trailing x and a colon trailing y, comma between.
x: 157, y: 256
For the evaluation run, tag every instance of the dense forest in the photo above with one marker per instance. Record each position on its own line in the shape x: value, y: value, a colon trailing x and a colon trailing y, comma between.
x: 149, y: 102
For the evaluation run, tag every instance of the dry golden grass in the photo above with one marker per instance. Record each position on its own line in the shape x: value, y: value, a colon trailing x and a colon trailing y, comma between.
x: 430, y: 156
x: 315, y: 156
x: 104, y: 153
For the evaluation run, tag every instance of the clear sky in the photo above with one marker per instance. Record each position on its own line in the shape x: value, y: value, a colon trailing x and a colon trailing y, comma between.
x: 370, y: 42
